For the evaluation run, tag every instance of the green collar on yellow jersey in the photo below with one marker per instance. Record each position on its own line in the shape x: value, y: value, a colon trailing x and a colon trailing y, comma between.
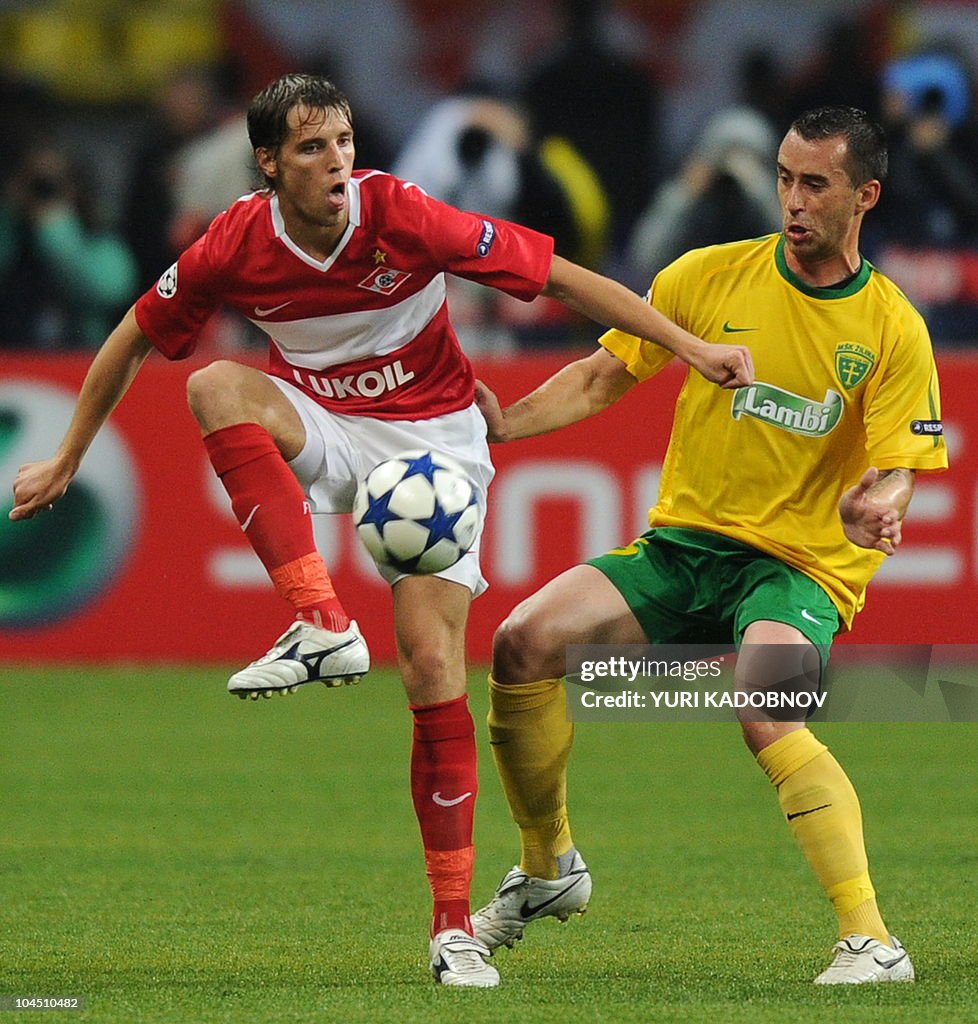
x: 853, y: 286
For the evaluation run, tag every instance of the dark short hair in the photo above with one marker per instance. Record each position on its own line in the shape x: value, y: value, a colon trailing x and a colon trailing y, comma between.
x: 268, y: 113
x: 866, y: 155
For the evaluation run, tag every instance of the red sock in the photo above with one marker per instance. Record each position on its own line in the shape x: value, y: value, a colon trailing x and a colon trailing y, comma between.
x: 444, y: 785
x: 274, y: 513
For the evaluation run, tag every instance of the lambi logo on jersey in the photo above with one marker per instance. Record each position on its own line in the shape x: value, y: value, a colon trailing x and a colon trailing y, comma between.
x: 385, y: 280
x: 853, y: 363
x: 167, y: 284
x: 788, y: 411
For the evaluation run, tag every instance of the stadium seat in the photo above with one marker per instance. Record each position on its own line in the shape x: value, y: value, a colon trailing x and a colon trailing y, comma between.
x: 106, y: 51
x: 156, y: 42
x: 69, y: 53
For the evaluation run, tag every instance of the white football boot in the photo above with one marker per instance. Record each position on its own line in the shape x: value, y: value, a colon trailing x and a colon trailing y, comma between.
x: 860, y: 960
x: 304, y: 654
x: 521, y: 899
x: 459, y: 959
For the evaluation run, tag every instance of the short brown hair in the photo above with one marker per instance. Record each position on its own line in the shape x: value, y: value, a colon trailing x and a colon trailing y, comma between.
x: 866, y: 155
x: 268, y: 113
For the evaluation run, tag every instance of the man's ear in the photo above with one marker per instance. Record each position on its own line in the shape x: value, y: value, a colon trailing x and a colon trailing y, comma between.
x: 867, y: 195
x: 267, y: 161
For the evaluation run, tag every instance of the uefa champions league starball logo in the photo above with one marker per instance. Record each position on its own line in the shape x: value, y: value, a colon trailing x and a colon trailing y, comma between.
x: 52, y: 565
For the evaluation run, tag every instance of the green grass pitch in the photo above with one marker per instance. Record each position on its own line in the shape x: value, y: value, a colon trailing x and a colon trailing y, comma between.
x: 174, y: 855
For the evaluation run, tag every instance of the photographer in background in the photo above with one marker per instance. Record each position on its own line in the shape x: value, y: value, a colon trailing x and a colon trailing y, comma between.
x: 929, y: 116
x: 476, y: 151
x: 723, y: 192
x: 63, y: 275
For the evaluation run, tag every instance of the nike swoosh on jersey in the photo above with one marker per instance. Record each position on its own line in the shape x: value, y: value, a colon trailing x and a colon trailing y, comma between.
x: 727, y: 329
x: 806, y: 614
x: 442, y: 802
x: 272, y: 309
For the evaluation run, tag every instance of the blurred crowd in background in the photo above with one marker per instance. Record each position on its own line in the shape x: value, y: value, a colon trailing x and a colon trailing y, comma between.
x: 630, y: 131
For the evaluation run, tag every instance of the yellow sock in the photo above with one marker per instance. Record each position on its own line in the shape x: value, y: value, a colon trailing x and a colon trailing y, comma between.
x: 823, y: 812
x: 531, y: 741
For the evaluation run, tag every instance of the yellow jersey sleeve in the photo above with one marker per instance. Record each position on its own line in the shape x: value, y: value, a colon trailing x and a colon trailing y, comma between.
x: 643, y: 358
x: 903, y: 403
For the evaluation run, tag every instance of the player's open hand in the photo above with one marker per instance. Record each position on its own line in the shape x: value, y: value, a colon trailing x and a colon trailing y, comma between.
x: 38, y: 486
x: 488, y: 403
x: 729, y: 366
x: 870, y: 517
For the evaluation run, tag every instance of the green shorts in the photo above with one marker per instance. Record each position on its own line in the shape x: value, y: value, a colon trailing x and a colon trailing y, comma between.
x: 698, y: 587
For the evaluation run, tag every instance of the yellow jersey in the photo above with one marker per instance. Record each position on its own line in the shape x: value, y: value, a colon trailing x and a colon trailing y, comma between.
x: 845, y: 379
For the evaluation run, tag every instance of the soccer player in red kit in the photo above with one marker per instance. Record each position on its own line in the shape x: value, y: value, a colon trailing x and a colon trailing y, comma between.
x: 345, y: 272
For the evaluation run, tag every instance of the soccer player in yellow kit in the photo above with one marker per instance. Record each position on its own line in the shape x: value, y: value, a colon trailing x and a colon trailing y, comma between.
x: 777, y: 505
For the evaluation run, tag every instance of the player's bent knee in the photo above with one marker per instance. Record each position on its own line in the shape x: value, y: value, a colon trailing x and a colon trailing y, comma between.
x: 224, y: 393
x: 211, y: 389
x: 523, y: 650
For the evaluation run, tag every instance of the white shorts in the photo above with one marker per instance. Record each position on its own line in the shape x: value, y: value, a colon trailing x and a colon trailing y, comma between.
x: 340, y: 450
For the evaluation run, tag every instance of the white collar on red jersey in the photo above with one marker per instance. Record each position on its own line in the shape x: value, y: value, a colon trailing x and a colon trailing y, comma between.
x: 278, y: 223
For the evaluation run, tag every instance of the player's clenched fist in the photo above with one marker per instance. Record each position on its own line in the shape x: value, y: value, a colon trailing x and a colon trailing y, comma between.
x: 729, y: 366
x: 38, y: 486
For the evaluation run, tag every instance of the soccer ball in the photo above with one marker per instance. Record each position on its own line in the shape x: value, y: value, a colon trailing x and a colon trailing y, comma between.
x: 417, y: 512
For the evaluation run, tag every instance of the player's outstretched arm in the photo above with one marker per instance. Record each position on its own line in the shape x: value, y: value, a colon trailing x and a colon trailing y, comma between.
x: 872, y: 512
x: 39, y: 484
x: 576, y: 391
x: 611, y: 303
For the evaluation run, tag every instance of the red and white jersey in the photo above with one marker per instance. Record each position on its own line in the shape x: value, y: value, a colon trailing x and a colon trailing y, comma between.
x: 365, y: 331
